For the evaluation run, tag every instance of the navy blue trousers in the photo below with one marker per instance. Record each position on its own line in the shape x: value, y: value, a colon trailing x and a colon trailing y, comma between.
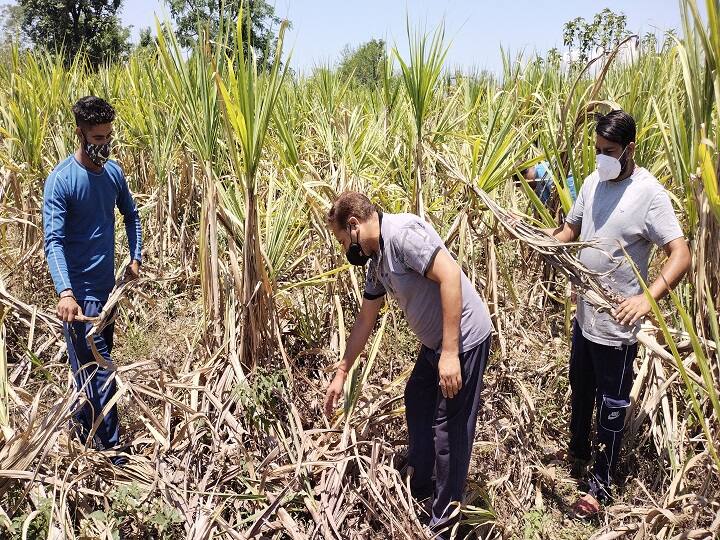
x: 99, y: 387
x: 441, y: 431
x: 601, y: 378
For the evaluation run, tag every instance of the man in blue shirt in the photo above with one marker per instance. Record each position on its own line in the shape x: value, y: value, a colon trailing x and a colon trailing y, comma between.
x: 540, y: 178
x: 81, y: 194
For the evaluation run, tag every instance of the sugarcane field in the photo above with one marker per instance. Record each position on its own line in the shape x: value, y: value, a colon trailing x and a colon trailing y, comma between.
x: 253, y: 286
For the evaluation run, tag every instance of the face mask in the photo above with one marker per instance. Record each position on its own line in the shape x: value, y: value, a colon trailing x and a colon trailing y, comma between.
x: 355, y: 254
x: 608, y: 167
x: 98, y: 153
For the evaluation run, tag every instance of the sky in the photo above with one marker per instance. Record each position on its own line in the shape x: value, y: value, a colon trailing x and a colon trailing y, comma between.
x: 475, y: 29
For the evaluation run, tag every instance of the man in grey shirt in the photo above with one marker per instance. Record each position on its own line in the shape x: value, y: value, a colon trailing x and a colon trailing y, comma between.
x: 409, y: 260
x: 620, y: 207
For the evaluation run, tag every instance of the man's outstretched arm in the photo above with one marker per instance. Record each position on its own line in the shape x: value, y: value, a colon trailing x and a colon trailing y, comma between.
x: 359, y: 335
x: 567, y: 232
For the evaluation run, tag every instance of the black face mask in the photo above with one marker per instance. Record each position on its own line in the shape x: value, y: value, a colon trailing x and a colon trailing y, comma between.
x: 355, y: 254
x: 98, y: 153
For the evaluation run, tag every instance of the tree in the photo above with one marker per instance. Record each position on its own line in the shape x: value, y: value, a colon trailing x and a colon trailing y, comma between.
x: 190, y: 15
x: 364, y: 63
x: 146, y: 38
x: 70, y: 26
x: 554, y: 58
x: 11, y: 22
x: 606, y: 30
x: 649, y: 42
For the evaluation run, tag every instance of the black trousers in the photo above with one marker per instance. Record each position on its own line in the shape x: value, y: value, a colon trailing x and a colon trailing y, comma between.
x: 441, y: 431
x: 601, y: 378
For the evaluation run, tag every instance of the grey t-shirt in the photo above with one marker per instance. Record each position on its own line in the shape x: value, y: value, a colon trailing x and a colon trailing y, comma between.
x: 408, y: 246
x: 634, y: 214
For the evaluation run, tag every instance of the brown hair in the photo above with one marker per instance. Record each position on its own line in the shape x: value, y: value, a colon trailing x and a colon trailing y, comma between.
x: 347, y: 205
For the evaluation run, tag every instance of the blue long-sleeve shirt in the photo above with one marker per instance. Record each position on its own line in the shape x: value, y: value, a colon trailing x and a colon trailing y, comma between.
x: 79, y: 223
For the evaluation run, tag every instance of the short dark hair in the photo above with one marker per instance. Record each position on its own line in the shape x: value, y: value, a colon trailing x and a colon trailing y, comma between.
x: 347, y: 205
x: 521, y: 174
x: 616, y: 126
x: 93, y: 111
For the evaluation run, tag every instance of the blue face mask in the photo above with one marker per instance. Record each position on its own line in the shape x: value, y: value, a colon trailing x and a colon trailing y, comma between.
x: 540, y: 171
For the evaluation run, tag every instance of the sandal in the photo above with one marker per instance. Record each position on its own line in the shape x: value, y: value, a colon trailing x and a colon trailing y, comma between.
x: 586, y: 507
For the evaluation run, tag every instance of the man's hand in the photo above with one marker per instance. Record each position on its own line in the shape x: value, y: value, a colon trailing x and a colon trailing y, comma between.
x: 632, y: 310
x: 132, y: 271
x: 68, y: 309
x: 450, y: 374
x: 334, y: 391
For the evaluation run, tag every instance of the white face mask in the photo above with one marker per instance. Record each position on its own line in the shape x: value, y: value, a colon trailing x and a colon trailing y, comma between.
x: 608, y: 167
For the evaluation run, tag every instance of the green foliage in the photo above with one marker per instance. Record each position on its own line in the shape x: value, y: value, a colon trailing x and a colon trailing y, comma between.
x: 364, y: 63
x: 554, y: 58
x: 260, y: 396
x: 421, y: 76
x: 297, y: 142
x: 248, y: 100
x: 606, y: 30
x: 75, y: 26
x: 311, y: 320
x: 191, y: 15
x: 132, y: 512
x: 146, y: 38
x: 649, y: 42
x: 39, y: 524
x: 539, y: 524
x: 422, y: 71
x: 11, y: 22
x: 535, y: 524
x: 131, y: 508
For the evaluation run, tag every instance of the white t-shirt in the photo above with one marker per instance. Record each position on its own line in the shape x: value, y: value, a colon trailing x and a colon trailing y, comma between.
x: 633, y: 214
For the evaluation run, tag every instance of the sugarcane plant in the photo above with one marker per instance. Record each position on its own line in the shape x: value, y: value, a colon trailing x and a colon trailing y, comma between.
x: 420, y: 75
x: 248, y: 98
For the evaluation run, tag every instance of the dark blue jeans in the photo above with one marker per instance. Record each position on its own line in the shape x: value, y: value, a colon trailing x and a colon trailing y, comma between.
x: 98, y: 385
x: 441, y: 431
x: 601, y: 378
